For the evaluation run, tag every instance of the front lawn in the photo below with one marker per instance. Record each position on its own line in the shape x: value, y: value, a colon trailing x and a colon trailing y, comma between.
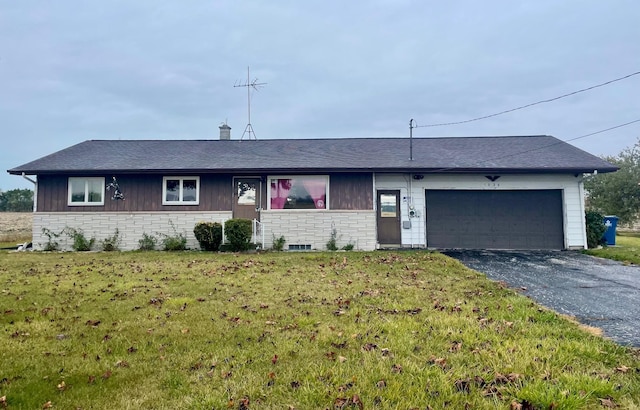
x: 354, y: 330
x: 627, y: 249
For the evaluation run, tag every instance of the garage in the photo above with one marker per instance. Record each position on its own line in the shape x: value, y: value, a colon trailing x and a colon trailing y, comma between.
x: 515, y: 219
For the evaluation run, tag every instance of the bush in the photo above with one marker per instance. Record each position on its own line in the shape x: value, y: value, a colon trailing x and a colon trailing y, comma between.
x: 332, y: 243
x: 148, y: 242
x: 111, y: 243
x: 278, y: 243
x: 209, y: 235
x: 238, y: 232
x: 52, y: 243
x: 348, y: 247
x: 595, y: 228
x: 175, y: 242
x: 80, y: 242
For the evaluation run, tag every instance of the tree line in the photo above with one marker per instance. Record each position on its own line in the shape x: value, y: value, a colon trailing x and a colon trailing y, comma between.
x: 16, y: 200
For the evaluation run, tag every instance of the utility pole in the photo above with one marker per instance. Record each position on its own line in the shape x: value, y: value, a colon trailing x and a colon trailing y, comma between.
x: 249, y: 84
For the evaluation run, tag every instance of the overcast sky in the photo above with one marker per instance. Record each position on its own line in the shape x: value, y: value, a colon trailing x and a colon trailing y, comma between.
x: 149, y: 69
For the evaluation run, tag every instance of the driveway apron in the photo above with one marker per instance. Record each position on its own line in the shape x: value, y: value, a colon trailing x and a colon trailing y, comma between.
x: 597, y: 292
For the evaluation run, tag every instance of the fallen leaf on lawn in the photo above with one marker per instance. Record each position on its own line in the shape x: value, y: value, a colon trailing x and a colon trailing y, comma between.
x: 356, y: 401
x: 369, y: 347
x: 622, y: 369
x: 342, y: 359
x: 91, y: 380
x: 122, y: 363
x: 184, y: 331
x: 226, y: 375
x: 47, y: 405
x: 3, y: 402
x: 274, y: 359
x: 340, y: 403
x: 106, y: 374
x: 607, y: 402
x: 62, y: 385
x: 342, y: 345
x: 455, y: 347
x: 396, y: 368
x: 462, y: 385
x: 515, y: 405
x: 244, y: 403
x: 439, y: 361
x: 132, y: 349
x: 93, y: 323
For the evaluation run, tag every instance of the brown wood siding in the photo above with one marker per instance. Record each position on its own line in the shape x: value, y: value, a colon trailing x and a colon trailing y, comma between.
x: 141, y: 192
x: 351, y: 191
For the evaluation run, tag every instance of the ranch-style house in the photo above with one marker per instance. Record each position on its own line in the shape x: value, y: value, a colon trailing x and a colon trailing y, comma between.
x: 509, y: 192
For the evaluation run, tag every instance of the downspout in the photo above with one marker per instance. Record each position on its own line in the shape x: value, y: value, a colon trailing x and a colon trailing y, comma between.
x: 35, y: 191
x: 582, y: 213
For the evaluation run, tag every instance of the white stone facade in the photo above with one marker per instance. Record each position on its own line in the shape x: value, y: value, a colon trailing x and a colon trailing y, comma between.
x: 131, y: 226
x: 300, y: 227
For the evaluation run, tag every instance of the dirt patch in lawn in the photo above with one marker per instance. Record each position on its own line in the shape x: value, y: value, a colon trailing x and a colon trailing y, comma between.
x: 15, y: 225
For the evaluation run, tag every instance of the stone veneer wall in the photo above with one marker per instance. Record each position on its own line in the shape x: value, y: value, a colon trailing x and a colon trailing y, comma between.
x: 131, y: 225
x: 314, y: 228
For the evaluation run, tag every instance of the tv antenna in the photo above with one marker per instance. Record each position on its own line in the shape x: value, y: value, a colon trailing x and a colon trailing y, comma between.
x: 249, y: 84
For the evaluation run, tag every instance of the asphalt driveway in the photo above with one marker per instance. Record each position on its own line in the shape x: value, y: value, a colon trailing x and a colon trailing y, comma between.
x: 598, y: 292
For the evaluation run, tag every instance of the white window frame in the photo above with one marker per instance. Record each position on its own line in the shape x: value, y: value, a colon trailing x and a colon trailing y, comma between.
x: 180, y: 193
x: 270, y: 177
x: 86, y: 181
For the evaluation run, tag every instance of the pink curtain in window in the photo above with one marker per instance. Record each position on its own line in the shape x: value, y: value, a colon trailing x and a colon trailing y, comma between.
x: 279, y: 193
x: 318, y: 191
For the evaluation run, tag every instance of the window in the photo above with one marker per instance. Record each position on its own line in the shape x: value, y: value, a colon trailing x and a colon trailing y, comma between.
x: 388, y: 206
x: 299, y: 192
x: 86, y: 191
x: 180, y: 190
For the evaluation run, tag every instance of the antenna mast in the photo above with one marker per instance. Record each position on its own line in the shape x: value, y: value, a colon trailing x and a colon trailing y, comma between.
x: 249, y: 84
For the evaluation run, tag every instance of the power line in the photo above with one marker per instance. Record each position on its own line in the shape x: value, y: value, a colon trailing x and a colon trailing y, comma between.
x: 548, y: 145
x: 605, y: 130
x: 532, y: 104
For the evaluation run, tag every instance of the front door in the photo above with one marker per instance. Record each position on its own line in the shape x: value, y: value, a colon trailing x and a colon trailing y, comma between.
x: 246, y: 201
x: 389, y: 218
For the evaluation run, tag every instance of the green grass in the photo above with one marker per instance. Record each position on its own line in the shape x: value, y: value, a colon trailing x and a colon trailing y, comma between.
x: 392, y: 330
x: 627, y: 249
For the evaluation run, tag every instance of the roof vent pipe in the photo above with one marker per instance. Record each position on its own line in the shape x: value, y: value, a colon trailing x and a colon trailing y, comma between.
x: 411, y: 127
x: 225, y: 132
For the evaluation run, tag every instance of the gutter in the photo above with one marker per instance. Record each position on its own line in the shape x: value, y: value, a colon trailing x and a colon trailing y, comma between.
x: 35, y: 191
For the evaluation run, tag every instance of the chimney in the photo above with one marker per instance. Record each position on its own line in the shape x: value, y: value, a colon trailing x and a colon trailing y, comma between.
x: 225, y: 132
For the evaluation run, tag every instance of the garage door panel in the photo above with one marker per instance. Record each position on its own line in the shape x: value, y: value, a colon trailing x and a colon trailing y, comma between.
x: 527, y: 219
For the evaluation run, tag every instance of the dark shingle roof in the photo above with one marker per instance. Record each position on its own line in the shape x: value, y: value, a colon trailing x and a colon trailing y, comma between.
x: 457, y: 154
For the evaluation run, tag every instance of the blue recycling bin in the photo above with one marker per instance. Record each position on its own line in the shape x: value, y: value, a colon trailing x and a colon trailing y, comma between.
x: 611, y: 222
